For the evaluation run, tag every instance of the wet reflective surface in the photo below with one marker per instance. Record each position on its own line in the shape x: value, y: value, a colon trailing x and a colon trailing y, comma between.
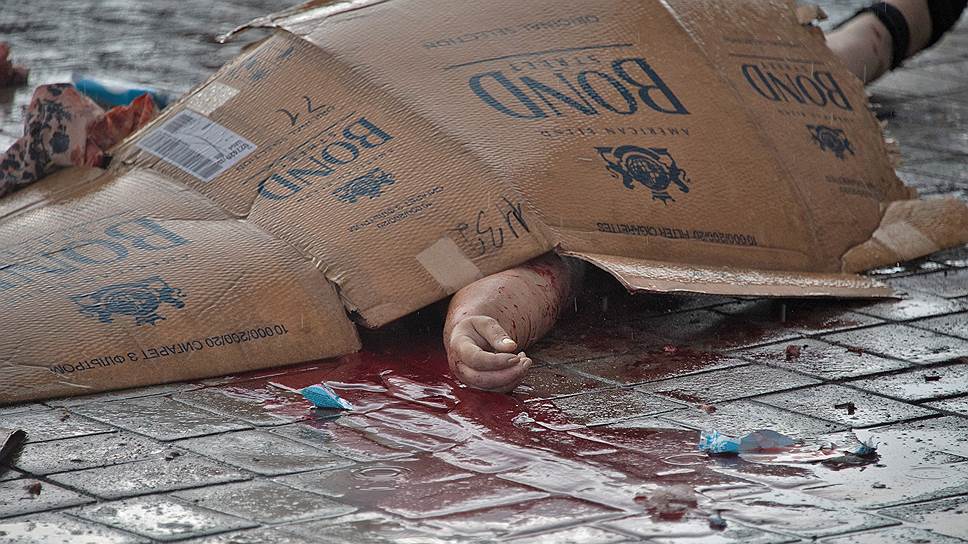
x: 599, y: 445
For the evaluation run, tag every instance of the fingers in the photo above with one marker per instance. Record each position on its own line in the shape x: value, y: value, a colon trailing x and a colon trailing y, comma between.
x: 471, y: 355
x: 494, y: 333
x: 497, y: 380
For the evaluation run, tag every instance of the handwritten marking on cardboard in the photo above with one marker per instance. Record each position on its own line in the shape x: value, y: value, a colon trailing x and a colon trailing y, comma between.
x: 196, y: 145
x: 486, y: 232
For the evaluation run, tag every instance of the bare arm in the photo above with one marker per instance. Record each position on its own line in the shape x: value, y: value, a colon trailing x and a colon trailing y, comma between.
x: 490, y: 321
x: 865, y: 45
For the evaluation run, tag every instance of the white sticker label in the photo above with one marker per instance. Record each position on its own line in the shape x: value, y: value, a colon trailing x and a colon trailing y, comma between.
x: 197, y: 145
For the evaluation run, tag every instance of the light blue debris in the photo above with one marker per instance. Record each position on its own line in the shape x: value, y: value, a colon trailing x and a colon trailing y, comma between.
x: 757, y: 441
x: 323, y: 396
x: 866, y: 448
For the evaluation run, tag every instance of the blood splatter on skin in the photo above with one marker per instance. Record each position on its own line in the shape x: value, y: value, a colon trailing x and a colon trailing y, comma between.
x: 525, y: 302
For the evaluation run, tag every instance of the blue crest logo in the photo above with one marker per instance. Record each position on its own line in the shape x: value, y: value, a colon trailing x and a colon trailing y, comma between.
x: 652, y: 167
x: 369, y: 184
x: 140, y: 300
x: 831, y: 139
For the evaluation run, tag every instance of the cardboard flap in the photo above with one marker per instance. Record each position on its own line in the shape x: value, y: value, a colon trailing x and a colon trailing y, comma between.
x: 908, y: 230
x: 641, y: 275
x: 312, y: 12
x: 56, y: 186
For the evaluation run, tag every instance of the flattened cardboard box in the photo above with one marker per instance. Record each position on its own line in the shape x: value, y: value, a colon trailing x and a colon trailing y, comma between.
x: 374, y: 157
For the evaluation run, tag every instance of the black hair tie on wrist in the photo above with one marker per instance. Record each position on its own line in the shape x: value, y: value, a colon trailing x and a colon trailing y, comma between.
x: 897, y: 27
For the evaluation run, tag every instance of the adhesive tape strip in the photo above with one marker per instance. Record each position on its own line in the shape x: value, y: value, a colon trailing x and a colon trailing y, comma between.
x: 211, y: 98
x: 905, y: 240
x: 448, y: 265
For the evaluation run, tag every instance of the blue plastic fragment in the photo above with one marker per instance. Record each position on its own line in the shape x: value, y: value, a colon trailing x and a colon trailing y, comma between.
x: 323, y: 396
x: 109, y: 93
x: 866, y: 448
x: 716, y: 442
x: 756, y: 441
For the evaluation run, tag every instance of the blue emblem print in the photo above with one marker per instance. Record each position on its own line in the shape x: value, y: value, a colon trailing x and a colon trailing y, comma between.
x: 140, y: 300
x: 831, y: 139
x: 653, y: 167
x: 369, y: 184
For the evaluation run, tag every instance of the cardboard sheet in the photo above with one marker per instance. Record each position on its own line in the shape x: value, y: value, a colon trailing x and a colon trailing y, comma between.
x: 372, y: 157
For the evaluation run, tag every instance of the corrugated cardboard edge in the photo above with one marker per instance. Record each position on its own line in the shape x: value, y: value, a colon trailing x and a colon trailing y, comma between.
x: 910, y: 229
x: 639, y: 275
x: 72, y: 180
x: 311, y: 10
x: 10, y: 442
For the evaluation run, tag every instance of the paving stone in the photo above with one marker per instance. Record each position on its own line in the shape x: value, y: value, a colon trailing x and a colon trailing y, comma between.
x: 263, y: 453
x: 610, y: 406
x: 952, y: 168
x: 806, y: 317
x: 727, y: 384
x: 913, y: 306
x: 149, y: 476
x: 161, y: 518
x: 337, y: 440
x: 529, y: 517
x: 822, y: 360
x: 596, y: 483
x: 903, y: 342
x: 636, y: 368
x: 592, y: 343
x: 894, y: 535
x: 930, y: 111
x: 706, y: 330
x: 488, y: 456
x: 694, y: 529
x: 956, y: 257
x: 918, y: 461
x: 821, y: 401
x: 909, y: 268
x: 160, y: 418
x: 10, y: 474
x: 947, y: 283
x: 256, y: 403
x: 61, y: 529
x: 122, y: 394
x: 412, y: 488
x: 954, y: 324
x: 265, y: 502
x: 921, y: 383
x: 254, y: 536
x: 575, y: 535
x: 958, y: 405
x: 555, y: 381
x: 916, y: 82
x: 392, y: 436
x: 946, y: 516
x: 46, y: 424
x: 86, y: 452
x: 938, y: 137
x: 793, y: 512
x: 926, y: 184
x: 22, y: 407
x: 17, y: 497
x: 370, y: 528
x: 740, y: 417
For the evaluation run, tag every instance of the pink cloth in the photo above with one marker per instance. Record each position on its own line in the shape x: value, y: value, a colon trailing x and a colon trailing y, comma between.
x: 64, y: 128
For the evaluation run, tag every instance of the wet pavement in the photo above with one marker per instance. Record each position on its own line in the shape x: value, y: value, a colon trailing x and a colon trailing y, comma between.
x: 598, y: 446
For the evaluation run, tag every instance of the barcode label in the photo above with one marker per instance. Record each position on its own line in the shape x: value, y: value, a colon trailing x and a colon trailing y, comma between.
x: 197, y: 145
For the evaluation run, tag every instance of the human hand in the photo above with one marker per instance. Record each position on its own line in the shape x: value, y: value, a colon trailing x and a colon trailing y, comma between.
x: 482, y: 355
